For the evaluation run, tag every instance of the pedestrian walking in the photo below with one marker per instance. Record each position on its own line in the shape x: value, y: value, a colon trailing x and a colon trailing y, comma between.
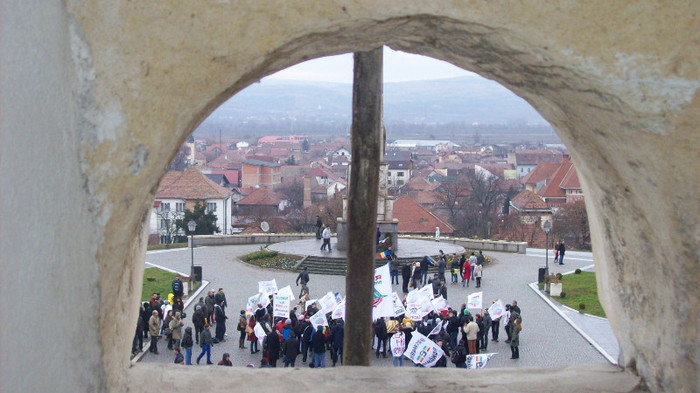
x: 205, y: 342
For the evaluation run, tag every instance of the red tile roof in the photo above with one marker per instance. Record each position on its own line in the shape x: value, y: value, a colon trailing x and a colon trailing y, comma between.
x: 421, y: 184
x: 528, y: 200
x: 552, y: 188
x: 535, y: 157
x: 541, y: 172
x: 570, y: 179
x: 190, y: 184
x: 413, y: 218
x: 232, y: 175
x: 261, y: 196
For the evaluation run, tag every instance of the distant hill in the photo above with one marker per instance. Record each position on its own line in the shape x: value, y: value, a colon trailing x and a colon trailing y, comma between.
x: 464, y: 99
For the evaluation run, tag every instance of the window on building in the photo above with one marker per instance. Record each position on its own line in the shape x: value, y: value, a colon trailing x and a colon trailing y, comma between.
x: 180, y: 207
x: 211, y: 207
x: 164, y: 224
x: 388, y: 181
x: 399, y: 174
x: 399, y: 182
x: 165, y: 207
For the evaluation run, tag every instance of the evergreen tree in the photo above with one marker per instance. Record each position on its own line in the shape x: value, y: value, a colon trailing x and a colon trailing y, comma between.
x: 206, y: 222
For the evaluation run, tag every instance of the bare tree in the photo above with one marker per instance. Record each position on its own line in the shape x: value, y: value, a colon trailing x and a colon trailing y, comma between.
x: 167, y: 223
x: 571, y: 225
x: 453, y: 197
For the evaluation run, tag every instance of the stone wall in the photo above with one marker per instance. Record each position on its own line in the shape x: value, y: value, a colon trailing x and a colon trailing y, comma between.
x: 97, y: 96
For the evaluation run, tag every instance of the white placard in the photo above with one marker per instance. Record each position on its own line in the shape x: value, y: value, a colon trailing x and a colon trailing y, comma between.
x: 267, y: 287
x: 280, y: 306
x: 422, y: 350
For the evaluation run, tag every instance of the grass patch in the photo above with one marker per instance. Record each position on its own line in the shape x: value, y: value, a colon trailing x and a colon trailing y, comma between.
x: 581, y: 289
x: 271, y: 259
x: 165, y: 246
x: 158, y: 281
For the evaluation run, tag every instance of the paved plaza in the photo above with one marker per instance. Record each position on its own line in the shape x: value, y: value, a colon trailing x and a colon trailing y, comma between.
x: 408, y: 248
x: 547, y: 339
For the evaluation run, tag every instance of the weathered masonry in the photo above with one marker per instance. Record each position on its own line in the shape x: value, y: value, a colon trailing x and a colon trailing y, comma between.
x: 96, y: 97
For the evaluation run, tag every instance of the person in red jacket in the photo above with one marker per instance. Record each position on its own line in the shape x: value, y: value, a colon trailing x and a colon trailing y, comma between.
x: 466, y: 273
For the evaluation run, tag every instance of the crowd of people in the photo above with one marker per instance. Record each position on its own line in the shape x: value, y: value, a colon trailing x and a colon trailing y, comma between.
x: 458, y: 333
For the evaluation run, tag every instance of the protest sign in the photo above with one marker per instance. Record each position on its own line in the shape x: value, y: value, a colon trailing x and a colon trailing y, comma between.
x: 287, y: 291
x: 252, y: 304
x: 259, y: 332
x: 382, y: 305
x: 496, y: 310
x: 440, y: 304
x: 421, y: 350
x: 478, y: 361
x: 267, y: 287
x: 436, y: 329
x: 475, y: 300
x: 327, y: 302
x: 413, y: 311
x: 397, y: 344
x: 318, y: 319
x: 280, y: 306
x: 399, y: 309
x: 339, y: 310
x: 264, y: 300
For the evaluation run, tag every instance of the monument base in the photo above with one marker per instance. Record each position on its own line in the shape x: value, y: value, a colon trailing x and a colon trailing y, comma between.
x: 388, y: 229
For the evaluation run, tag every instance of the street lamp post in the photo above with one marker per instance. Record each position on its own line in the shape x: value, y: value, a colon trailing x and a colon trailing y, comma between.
x: 191, y: 225
x: 547, y: 226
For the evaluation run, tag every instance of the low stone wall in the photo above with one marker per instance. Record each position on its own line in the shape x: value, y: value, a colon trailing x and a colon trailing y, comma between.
x: 264, y: 238
x: 253, y: 238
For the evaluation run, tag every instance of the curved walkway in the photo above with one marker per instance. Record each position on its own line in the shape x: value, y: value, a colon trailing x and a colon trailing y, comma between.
x: 547, y: 340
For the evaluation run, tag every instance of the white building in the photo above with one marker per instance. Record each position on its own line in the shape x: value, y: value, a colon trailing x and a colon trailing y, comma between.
x: 182, y: 190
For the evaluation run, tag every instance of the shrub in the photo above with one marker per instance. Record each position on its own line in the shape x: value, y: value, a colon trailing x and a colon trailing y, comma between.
x: 559, y: 276
x: 577, y: 271
x: 581, y: 306
x: 563, y: 294
x: 262, y: 253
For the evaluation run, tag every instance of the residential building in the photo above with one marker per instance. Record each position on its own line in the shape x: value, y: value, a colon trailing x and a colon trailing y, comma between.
x: 258, y: 173
x: 182, y: 190
x: 400, y: 167
x: 525, y: 161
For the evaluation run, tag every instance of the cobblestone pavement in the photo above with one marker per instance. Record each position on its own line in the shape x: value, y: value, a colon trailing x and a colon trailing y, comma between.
x: 545, y: 341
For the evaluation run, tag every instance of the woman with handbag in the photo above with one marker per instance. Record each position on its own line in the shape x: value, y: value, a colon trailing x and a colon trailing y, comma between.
x: 249, y: 330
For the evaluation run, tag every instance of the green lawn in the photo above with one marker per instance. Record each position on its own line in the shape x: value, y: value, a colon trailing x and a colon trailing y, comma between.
x: 581, y: 288
x: 156, y: 280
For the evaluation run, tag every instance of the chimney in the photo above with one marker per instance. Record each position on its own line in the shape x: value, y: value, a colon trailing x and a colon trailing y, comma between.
x: 307, y: 192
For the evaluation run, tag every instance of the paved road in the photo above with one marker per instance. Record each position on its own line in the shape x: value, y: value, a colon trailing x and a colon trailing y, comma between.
x: 545, y: 341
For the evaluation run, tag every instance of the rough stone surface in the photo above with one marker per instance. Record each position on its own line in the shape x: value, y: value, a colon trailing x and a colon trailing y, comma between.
x: 97, y: 96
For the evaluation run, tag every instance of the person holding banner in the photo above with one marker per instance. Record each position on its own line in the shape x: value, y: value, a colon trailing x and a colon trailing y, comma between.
x: 406, y: 276
x: 487, y: 326
x: 398, y: 346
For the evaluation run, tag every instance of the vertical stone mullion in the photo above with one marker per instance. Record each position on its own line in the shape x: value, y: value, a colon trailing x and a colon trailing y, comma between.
x: 362, y: 204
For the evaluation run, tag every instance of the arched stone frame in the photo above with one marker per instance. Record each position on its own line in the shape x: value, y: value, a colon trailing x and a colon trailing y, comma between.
x: 145, y: 72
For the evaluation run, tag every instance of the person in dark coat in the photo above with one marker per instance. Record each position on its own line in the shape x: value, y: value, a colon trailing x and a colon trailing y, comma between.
x: 187, y: 344
x: 198, y: 320
x: 273, y: 347
x: 220, y: 318
x: 382, y: 336
x: 290, y: 349
x: 337, y: 334
x: 406, y: 276
x: 145, y: 315
x: 318, y: 347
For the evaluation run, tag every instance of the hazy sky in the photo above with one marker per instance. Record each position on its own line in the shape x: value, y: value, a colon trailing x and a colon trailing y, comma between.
x: 398, y: 67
